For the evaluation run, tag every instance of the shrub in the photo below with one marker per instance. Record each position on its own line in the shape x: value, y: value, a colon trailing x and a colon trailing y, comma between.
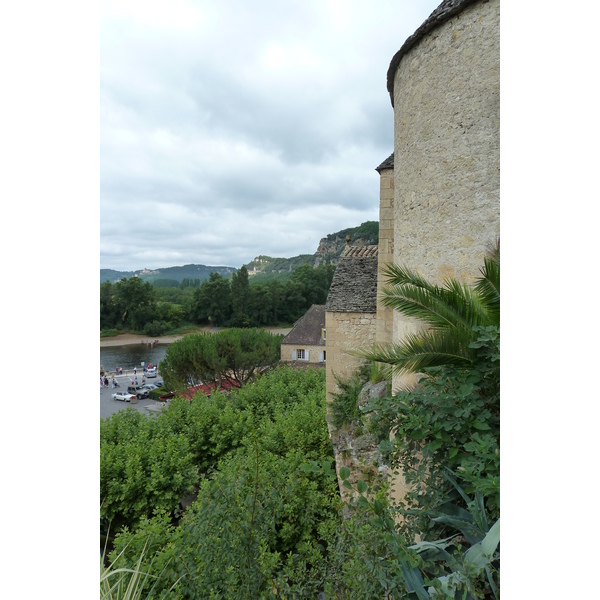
x: 108, y: 332
x: 344, y: 406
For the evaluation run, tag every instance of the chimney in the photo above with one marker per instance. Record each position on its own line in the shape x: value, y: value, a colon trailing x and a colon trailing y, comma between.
x: 347, y: 241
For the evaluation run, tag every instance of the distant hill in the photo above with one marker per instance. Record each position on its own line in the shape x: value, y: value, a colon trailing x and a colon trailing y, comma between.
x: 178, y: 274
x: 262, y: 267
x: 329, y: 250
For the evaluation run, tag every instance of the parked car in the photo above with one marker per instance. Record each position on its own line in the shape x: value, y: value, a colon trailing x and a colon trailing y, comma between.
x: 151, y: 372
x: 159, y: 383
x: 150, y: 387
x: 139, y: 391
x: 124, y: 396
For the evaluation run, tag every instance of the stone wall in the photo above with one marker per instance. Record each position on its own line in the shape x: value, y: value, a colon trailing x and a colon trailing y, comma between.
x: 386, y: 249
x: 446, y: 93
x: 346, y: 331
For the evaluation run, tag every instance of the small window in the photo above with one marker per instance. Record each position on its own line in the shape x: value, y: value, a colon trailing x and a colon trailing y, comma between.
x: 324, y: 334
x: 300, y: 354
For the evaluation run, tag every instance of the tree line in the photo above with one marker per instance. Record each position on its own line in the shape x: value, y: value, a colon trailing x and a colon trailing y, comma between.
x: 135, y: 305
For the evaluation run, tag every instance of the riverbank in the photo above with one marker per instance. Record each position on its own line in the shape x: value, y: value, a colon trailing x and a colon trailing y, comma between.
x: 128, y: 339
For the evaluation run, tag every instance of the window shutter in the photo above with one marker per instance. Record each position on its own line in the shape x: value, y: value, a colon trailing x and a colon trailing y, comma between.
x: 293, y: 355
x: 320, y: 355
x: 307, y: 353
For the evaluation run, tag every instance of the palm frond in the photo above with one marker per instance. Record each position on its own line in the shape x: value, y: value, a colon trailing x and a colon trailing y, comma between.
x: 488, y: 286
x: 452, y: 306
x: 420, y: 351
x: 450, y: 311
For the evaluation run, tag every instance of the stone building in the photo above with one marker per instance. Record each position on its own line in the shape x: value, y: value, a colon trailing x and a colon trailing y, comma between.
x: 439, y: 204
x: 385, y: 317
x: 350, y: 311
x: 306, y: 341
x: 444, y: 85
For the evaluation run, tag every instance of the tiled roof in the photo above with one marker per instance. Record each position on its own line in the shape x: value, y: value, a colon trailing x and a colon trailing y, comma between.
x: 354, y: 285
x: 445, y: 11
x: 388, y: 163
x: 359, y: 251
x: 307, y: 329
x: 207, y: 388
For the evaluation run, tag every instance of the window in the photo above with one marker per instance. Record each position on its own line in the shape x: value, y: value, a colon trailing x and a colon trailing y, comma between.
x: 300, y: 354
x: 324, y: 334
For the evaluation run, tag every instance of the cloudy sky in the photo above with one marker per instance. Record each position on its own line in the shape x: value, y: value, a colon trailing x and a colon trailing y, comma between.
x: 231, y: 129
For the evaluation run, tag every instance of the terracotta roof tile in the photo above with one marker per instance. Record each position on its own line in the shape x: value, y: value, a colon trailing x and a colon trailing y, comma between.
x: 360, y: 251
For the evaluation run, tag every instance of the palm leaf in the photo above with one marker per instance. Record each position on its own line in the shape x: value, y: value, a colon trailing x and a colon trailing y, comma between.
x: 450, y: 312
x: 454, y: 305
x: 420, y: 351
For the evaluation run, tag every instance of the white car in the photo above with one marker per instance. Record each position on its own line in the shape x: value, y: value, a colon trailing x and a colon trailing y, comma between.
x: 124, y: 396
x: 151, y: 372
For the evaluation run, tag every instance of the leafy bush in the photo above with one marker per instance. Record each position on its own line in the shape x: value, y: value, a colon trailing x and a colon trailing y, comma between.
x: 155, y: 328
x: 108, y: 332
x: 344, y: 404
x: 451, y: 420
x: 144, y: 467
x: 374, y: 560
x: 262, y: 521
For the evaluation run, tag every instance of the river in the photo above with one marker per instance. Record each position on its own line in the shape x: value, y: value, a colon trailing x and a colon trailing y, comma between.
x: 131, y: 356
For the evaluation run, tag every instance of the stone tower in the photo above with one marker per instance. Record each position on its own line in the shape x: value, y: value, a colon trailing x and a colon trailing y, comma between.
x: 386, y: 245
x: 444, y: 84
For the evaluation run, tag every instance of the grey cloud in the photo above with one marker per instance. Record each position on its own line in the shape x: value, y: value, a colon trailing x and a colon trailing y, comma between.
x: 255, y: 131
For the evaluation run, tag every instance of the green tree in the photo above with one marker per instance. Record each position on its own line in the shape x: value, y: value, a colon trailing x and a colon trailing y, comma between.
x: 209, y: 357
x: 453, y: 313
x: 212, y: 301
x: 315, y: 282
x: 144, y: 467
x: 109, y: 313
x: 260, y: 309
x: 240, y: 298
x: 135, y: 301
x: 262, y: 521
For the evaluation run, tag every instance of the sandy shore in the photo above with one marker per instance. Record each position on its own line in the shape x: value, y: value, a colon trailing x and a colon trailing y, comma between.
x: 127, y: 339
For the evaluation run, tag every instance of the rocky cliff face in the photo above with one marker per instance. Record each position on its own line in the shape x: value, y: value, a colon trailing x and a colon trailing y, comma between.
x: 354, y: 447
x: 330, y: 249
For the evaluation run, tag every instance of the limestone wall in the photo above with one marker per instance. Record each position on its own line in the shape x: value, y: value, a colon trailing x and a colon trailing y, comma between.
x: 386, y: 251
x: 346, y: 331
x: 447, y: 149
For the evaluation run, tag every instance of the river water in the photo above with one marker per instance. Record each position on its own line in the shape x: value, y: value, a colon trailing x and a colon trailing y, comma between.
x: 131, y: 356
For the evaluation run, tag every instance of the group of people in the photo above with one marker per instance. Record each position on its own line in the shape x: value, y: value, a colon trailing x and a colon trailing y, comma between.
x: 119, y: 370
x: 134, y: 381
x: 104, y: 382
